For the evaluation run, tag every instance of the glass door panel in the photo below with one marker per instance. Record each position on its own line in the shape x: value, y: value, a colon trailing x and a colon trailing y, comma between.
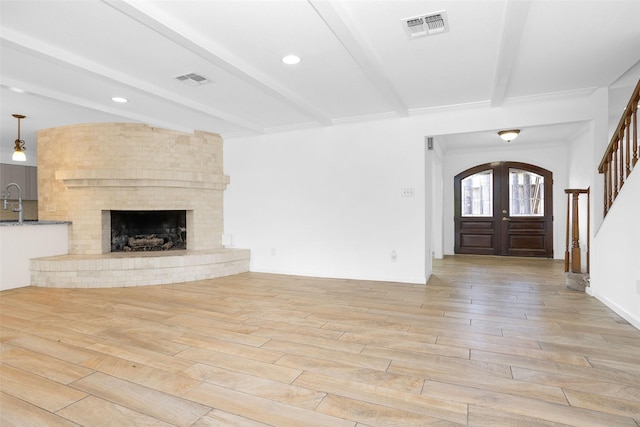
x: 526, y: 193
x: 477, y: 194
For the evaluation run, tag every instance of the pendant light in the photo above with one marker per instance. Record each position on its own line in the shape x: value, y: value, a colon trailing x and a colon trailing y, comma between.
x: 18, y: 153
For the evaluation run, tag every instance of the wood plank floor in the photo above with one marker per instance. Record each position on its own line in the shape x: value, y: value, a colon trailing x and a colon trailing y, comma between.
x: 487, y: 342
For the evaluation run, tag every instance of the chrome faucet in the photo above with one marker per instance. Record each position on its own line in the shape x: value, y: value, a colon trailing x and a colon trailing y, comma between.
x: 5, y: 196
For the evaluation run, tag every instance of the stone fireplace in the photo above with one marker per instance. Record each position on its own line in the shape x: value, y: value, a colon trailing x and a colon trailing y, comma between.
x: 88, y: 172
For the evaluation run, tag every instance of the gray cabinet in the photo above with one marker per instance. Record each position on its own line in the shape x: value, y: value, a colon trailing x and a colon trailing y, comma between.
x: 25, y: 176
x: 32, y: 183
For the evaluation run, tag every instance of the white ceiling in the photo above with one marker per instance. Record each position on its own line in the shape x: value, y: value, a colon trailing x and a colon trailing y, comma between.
x: 71, y: 57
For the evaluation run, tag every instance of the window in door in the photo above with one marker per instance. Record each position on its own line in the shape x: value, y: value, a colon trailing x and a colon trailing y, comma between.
x: 477, y: 194
x: 526, y: 193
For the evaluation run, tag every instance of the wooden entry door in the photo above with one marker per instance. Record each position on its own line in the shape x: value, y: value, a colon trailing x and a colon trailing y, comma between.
x: 504, y: 208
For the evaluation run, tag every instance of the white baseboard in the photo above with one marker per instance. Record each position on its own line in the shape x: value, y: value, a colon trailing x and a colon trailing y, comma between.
x: 629, y: 317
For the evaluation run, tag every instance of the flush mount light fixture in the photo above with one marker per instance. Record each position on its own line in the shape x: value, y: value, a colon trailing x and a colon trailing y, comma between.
x: 509, y: 135
x: 291, y: 59
x: 119, y: 99
x: 18, y: 151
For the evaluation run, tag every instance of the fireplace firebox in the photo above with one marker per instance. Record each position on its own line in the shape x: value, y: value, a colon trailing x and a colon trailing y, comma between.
x: 162, y: 230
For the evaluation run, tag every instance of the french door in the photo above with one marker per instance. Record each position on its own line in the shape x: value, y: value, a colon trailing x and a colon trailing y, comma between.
x: 504, y: 208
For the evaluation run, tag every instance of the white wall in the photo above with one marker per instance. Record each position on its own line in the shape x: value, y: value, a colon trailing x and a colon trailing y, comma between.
x: 615, y: 273
x: 549, y: 155
x: 581, y: 166
x: 437, y: 208
x: 601, y: 136
x: 615, y: 242
x: 327, y: 202
x: 581, y: 158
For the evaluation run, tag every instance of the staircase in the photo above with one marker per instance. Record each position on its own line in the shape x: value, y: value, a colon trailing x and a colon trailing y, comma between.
x: 615, y: 249
x: 621, y: 155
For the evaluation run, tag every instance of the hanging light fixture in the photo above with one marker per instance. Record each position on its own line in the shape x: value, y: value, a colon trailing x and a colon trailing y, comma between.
x: 509, y: 135
x: 18, y: 153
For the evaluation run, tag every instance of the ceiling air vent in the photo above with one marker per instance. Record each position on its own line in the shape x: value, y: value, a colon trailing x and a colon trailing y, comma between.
x: 426, y: 25
x: 193, y: 79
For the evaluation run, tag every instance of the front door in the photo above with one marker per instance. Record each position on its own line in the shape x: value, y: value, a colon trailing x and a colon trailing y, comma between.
x: 504, y: 208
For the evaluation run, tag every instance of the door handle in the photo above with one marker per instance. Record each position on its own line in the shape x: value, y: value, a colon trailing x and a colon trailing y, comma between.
x: 504, y: 218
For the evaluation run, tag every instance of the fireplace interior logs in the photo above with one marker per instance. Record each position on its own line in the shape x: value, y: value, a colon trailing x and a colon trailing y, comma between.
x: 148, y: 230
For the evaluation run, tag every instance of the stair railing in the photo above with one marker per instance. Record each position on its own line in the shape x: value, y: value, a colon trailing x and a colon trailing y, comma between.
x: 621, y: 155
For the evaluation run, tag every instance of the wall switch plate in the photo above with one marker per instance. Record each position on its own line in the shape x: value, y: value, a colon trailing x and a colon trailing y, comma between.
x: 408, y: 192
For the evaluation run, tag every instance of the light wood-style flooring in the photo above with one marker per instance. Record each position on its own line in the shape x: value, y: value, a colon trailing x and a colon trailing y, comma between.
x: 487, y: 342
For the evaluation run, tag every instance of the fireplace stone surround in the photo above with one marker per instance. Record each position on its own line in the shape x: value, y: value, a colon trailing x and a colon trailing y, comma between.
x: 86, y: 171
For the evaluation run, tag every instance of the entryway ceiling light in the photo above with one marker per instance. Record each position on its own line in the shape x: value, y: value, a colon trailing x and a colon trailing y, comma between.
x: 509, y: 135
x: 18, y: 151
x: 119, y: 99
x: 291, y: 59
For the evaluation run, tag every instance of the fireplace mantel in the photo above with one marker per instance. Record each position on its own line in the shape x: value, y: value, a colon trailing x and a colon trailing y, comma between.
x: 139, y: 178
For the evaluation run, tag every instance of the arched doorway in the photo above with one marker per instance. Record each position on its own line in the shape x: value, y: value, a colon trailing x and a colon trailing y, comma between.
x: 504, y: 208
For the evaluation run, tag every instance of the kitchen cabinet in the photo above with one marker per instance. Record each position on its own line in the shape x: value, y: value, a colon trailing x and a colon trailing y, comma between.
x: 25, y: 176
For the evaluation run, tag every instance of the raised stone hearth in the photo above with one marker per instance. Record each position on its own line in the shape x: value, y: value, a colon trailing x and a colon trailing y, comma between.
x: 87, y: 171
x: 120, y: 269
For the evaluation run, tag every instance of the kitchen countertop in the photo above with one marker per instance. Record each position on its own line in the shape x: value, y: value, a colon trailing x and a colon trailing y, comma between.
x: 13, y: 222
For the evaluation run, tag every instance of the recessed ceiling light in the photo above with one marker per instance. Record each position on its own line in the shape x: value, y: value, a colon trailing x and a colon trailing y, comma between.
x: 119, y: 99
x: 16, y: 89
x: 291, y: 59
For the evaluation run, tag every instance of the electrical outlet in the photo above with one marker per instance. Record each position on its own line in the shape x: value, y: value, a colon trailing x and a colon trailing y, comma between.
x: 407, y: 192
x: 394, y: 256
x: 273, y: 251
x: 227, y: 240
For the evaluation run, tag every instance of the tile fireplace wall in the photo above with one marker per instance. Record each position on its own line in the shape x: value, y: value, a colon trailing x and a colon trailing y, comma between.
x: 87, y: 170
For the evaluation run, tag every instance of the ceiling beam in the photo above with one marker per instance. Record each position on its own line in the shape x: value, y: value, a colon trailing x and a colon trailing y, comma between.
x: 216, y: 55
x: 356, y: 45
x: 514, y: 22
x: 37, y: 48
x: 44, y: 92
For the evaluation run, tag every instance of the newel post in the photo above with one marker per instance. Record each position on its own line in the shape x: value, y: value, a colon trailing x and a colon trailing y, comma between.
x: 576, y: 279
